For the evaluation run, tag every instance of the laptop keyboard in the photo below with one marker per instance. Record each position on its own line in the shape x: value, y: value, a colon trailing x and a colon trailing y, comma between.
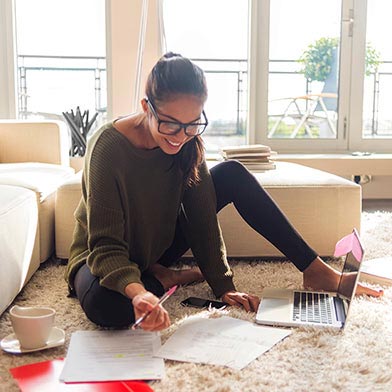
x: 312, y: 307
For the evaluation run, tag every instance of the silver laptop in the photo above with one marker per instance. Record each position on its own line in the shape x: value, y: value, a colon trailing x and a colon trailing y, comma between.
x: 291, y: 308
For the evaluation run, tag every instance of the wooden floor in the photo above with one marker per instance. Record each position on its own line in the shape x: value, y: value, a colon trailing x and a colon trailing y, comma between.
x: 377, y: 205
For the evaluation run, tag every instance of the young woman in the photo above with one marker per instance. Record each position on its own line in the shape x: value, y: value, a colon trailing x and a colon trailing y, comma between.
x: 147, y: 197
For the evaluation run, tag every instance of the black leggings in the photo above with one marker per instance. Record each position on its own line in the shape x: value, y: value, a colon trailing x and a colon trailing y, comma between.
x: 233, y: 184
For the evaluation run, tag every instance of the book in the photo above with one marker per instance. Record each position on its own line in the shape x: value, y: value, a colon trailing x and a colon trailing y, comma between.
x: 246, y: 148
x: 259, y: 166
x: 377, y: 271
x: 256, y: 157
x: 44, y: 377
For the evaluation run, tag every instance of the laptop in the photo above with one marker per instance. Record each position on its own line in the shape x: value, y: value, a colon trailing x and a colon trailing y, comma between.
x: 294, y: 308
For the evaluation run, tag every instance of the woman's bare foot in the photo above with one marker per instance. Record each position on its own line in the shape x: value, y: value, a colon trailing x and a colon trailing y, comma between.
x: 169, y: 277
x: 320, y: 276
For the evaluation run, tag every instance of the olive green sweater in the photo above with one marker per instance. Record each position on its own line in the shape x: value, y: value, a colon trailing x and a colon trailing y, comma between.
x: 131, y: 202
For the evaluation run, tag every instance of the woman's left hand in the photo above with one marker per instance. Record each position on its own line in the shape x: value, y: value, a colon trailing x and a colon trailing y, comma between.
x: 248, y: 301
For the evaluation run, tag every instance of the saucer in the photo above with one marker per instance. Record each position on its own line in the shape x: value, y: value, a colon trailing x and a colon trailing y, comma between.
x: 11, y: 344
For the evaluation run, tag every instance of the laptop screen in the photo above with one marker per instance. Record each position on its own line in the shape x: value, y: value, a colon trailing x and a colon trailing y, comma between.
x: 352, y: 263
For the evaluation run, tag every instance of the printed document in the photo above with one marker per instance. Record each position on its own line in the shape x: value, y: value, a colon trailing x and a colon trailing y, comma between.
x: 113, y: 356
x: 224, y: 341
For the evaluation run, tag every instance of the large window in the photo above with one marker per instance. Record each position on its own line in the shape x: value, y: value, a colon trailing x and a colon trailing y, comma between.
x: 298, y: 75
x: 215, y: 35
x: 304, y: 45
x: 60, y: 56
x: 320, y: 70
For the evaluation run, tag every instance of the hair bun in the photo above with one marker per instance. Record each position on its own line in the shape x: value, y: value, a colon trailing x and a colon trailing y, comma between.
x: 170, y: 55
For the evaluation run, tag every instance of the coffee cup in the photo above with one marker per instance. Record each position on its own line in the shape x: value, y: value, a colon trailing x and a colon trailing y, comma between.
x: 32, y: 325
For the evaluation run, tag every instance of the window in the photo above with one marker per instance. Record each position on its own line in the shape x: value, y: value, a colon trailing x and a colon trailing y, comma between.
x: 215, y: 35
x: 60, y: 56
x: 318, y: 71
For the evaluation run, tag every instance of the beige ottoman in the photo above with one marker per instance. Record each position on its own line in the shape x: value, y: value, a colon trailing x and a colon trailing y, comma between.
x: 322, y: 207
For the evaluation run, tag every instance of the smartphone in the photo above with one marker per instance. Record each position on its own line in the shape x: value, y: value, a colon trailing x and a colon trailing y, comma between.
x: 203, y: 303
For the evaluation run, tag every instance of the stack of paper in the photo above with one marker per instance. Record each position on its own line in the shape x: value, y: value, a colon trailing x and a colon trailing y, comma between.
x: 256, y: 157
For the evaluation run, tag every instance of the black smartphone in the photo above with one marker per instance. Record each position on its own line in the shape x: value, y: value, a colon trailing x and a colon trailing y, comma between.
x: 203, y: 303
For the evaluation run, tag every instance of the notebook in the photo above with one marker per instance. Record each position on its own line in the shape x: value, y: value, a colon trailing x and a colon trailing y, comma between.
x: 293, y: 308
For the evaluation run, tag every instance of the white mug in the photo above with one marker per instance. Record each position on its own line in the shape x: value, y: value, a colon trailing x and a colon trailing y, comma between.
x: 32, y: 325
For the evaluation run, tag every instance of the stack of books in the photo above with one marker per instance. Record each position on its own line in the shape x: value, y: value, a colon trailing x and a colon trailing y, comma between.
x: 256, y: 157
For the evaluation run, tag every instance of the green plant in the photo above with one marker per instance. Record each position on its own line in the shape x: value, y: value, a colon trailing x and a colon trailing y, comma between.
x: 372, y: 58
x: 317, y: 59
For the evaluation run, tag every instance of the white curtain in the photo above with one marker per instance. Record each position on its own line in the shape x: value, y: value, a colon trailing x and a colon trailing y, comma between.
x: 150, y: 48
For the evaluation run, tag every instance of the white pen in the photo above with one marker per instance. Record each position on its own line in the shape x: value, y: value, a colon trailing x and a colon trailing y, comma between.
x: 161, y: 301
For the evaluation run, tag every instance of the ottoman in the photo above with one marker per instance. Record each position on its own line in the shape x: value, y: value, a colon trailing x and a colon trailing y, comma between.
x: 322, y: 207
x: 19, y: 245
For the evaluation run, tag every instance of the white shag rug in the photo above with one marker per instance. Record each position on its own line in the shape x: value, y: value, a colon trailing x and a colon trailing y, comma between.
x: 359, y: 358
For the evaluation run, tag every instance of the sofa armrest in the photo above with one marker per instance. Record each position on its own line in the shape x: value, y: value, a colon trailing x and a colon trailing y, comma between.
x: 34, y: 141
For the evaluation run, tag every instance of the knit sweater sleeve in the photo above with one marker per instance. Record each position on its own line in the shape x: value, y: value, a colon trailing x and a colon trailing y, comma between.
x: 108, y: 256
x: 204, y: 234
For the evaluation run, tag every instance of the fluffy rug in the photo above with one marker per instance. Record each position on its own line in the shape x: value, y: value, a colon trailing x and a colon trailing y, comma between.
x: 358, y: 358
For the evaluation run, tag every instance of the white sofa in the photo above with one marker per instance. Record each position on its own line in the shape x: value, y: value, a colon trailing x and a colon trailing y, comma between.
x: 323, y: 208
x: 34, y: 161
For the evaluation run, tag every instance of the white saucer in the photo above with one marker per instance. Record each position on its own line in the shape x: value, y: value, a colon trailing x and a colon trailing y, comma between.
x: 11, y: 344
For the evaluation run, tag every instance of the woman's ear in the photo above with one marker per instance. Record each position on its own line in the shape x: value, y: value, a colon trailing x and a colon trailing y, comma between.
x: 144, y: 105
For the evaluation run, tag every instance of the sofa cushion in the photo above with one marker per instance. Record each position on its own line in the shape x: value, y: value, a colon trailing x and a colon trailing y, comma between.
x: 19, y: 248
x: 42, y: 178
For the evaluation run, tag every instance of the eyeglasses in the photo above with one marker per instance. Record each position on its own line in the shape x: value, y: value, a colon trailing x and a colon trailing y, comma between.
x: 174, y: 127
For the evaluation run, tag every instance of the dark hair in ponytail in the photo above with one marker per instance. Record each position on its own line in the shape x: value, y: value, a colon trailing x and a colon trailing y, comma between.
x: 171, y: 76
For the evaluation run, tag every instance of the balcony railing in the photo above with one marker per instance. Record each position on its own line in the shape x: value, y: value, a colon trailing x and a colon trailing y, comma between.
x: 29, y: 66
x: 227, y: 70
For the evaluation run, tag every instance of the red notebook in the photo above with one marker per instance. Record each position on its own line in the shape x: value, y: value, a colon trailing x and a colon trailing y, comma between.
x: 44, y: 377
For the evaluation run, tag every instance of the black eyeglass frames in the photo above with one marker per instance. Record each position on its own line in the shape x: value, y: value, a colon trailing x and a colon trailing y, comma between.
x: 174, y: 127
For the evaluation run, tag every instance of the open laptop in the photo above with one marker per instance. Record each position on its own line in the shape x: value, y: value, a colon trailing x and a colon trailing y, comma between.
x: 293, y: 308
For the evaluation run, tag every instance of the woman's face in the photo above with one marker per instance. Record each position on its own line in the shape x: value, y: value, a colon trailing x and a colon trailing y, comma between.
x: 184, y: 109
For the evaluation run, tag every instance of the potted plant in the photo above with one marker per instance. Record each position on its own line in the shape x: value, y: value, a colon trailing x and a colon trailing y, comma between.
x: 318, y: 59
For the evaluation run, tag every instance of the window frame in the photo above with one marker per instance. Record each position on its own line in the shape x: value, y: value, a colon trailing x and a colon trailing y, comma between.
x: 351, y: 90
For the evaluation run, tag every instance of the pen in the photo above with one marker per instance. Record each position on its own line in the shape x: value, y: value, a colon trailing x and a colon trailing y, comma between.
x: 161, y: 301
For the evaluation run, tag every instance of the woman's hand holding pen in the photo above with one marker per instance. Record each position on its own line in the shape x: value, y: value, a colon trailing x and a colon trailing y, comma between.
x: 158, y: 319
x: 144, y: 302
x: 248, y: 301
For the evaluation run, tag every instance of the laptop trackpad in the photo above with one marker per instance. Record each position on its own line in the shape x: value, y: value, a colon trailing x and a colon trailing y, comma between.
x: 277, y: 309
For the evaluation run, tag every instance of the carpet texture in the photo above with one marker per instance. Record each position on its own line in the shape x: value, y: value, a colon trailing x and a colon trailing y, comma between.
x: 356, y: 359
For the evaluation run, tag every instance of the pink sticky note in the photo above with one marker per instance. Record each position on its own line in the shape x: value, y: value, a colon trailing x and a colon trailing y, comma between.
x: 350, y: 243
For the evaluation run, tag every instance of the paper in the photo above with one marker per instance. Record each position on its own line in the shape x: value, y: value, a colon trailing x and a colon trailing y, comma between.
x: 377, y: 270
x: 113, y: 355
x: 221, y: 341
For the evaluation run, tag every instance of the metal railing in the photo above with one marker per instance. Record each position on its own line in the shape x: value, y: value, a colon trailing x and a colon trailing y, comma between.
x: 235, y: 67
x: 30, y: 63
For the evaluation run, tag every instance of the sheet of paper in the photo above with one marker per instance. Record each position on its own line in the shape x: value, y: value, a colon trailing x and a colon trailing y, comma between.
x: 224, y: 341
x: 113, y: 355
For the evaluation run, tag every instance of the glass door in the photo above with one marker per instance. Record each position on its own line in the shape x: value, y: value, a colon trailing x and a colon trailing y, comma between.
x: 215, y: 35
x: 309, y: 51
